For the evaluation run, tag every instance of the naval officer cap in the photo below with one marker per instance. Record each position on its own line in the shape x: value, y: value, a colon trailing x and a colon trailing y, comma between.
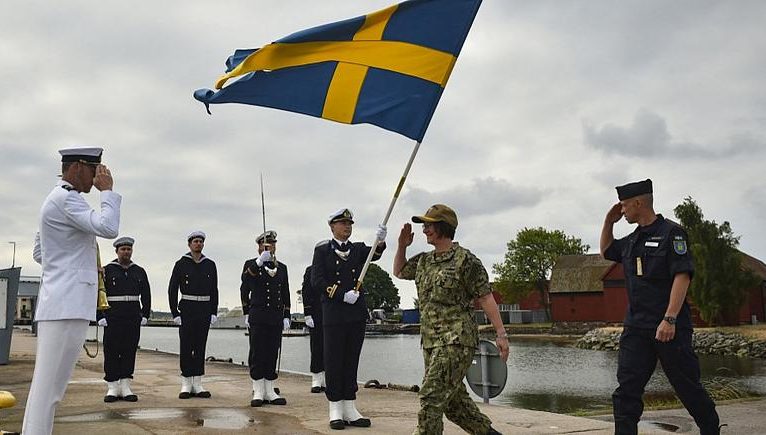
x: 269, y: 236
x: 123, y: 241
x: 87, y: 155
x: 438, y: 213
x: 196, y: 235
x: 343, y: 214
x: 631, y: 190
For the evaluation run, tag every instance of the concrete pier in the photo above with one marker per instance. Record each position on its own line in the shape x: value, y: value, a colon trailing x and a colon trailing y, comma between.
x: 159, y: 411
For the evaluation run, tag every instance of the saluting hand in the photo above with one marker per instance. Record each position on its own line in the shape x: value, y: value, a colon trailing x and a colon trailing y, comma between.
x: 406, y: 235
x: 614, y: 214
x: 103, y: 179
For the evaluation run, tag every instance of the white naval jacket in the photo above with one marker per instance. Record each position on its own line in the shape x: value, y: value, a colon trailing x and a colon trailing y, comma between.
x: 65, y: 246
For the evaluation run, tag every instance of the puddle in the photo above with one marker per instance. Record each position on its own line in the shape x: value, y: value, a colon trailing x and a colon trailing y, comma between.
x: 667, y: 427
x: 87, y: 381
x: 213, y: 418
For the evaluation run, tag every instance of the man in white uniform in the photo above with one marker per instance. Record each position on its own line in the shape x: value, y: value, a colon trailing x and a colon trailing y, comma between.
x: 65, y: 246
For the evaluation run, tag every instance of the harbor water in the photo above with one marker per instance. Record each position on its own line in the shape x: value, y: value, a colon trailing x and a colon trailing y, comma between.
x: 542, y: 375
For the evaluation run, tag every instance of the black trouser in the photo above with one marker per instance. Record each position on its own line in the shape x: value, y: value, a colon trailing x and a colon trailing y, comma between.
x: 193, y: 334
x: 342, y: 347
x: 316, y: 344
x: 639, y: 352
x: 265, y: 340
x: 121, y: 337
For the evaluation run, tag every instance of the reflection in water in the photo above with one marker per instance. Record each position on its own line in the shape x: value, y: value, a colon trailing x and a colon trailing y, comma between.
x: 213, y: 418
x: 541, y: 375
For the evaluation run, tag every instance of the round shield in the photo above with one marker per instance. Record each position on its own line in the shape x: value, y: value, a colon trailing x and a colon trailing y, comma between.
x: 488, y: 372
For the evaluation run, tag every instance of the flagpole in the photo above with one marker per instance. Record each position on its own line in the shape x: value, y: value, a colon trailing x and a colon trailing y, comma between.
x: 388, y: 215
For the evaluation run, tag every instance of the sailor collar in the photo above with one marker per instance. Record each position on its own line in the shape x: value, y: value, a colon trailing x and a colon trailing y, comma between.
x: 201, y: 259
x: 117, y: 263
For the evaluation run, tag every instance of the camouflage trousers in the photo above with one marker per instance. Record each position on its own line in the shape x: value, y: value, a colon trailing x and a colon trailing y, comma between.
x: 443, y: 392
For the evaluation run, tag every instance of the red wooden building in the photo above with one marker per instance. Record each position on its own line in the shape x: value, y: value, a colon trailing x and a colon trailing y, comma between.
x: 587, y: 288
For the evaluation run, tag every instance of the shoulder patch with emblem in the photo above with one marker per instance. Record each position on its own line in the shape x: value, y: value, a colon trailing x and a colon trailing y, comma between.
x: 679, y: 246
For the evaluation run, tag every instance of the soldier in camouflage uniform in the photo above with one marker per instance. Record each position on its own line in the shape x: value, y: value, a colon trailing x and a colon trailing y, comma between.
x: 448, y: 280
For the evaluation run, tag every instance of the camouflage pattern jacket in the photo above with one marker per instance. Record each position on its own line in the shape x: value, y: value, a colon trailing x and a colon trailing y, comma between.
x: 447, y: 284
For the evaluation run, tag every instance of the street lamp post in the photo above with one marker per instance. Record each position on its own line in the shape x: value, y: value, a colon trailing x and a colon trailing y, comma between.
x: 13, y: 262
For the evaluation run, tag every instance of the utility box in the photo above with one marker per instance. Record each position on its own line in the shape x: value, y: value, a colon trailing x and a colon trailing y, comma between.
x: 9, y: 288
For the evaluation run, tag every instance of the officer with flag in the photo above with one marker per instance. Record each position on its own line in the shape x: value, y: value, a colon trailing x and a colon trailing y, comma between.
x: 196, y: 276
x: 265, y: 295
x: 336, y: 266
x: 130, y: 298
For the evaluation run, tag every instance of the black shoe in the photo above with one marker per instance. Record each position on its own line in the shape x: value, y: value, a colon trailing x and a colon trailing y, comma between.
x: 203, y: 395
x: 316, y: 389
x: 130, y: 398
x: 110, y: 399
x: 361, y: 422
x: 184, y: 395
x: 337, y: 425
x: 279, y: 401
x: 256, y: 403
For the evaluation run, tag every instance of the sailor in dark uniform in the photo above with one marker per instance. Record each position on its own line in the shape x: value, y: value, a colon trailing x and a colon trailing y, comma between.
x: 197, y: 278
x: 312, y: 310
x: 130, y: 301
x: 658, y: 270
x: 265, y: 294
x: 336, y: 265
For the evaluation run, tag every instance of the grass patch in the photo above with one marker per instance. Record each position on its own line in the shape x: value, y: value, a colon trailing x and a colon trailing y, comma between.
x: 721, y: 390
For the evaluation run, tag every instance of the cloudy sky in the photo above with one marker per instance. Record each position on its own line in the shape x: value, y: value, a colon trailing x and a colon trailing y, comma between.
x: 551, y: 104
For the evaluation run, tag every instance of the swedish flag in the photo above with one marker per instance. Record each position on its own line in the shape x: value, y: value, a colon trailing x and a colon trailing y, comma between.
x: 387, y: 68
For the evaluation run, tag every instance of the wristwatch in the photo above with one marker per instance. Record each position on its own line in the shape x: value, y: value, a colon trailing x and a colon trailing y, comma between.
x: 670, y: 319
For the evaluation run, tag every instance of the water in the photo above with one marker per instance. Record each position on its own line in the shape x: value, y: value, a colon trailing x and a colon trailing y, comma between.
x: 542, y: 375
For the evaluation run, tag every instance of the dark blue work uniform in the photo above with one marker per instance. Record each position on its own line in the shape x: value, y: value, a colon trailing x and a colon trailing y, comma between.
x: 312, y: 306
x: 652, y: 256
x: 344, y: 324
x: 266, y: 300
x: 200, y: 281
x: 130, y: 299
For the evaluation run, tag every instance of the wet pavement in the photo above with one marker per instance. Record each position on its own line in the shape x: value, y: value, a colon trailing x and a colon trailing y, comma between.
x: 159, y: 411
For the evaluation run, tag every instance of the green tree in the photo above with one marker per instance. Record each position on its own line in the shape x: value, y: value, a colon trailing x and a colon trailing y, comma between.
x: 529, y: 260
x: 720, y: 283
x: 380, y: 288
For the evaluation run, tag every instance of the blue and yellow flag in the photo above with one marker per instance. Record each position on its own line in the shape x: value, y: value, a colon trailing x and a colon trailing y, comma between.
x: 387, y: 68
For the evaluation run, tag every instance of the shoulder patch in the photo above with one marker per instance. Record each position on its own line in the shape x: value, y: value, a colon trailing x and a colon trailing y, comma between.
x: 679, y: 246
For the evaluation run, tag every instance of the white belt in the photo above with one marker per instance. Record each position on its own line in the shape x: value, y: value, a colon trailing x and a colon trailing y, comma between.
x: 132, y: 298
x: 196, y: 298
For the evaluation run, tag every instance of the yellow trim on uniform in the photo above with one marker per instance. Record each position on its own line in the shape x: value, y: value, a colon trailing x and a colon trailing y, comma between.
x: 331, y: 290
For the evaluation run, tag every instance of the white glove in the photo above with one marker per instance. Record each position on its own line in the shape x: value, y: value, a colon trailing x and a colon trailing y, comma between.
x: 213, y: 318
x: 177, y: 320
x: 285, y: 324
x: 265, y: 256
x: 102, y: 322
x: 350, y: 297
x: 144, y: 321
x: 380, y: 233
x: 309, y: 321
x: 247, y: 320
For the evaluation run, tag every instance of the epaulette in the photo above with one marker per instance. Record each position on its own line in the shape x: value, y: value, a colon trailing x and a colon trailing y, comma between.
x: 323, y: 242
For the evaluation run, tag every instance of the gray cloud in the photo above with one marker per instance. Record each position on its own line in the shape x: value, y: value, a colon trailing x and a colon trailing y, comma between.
x: 649, y: 137
x: 480, y: 197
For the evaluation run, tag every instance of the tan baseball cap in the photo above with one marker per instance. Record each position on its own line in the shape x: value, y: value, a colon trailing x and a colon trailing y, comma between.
x: 438, y: 213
